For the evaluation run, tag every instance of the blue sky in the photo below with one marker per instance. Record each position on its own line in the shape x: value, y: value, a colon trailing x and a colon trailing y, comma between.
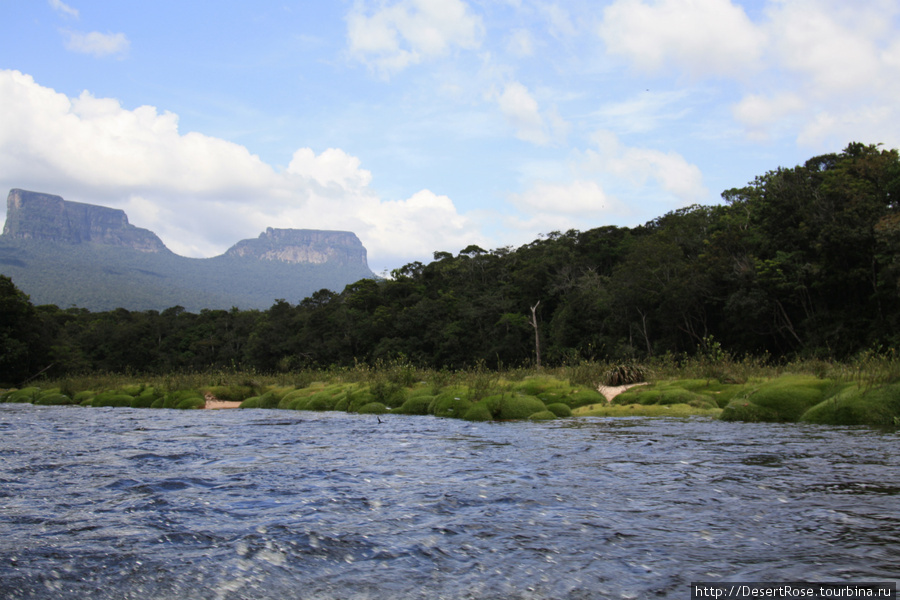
x: 429, y: 125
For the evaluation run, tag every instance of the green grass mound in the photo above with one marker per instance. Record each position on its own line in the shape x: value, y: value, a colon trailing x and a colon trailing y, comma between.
x: 551, y: 390
x: 191, y: 403
x: 784, y: 399
x: 83, y: 396
x: 23, y: 396
x: 54, y: 399
x: 392, y: 395
x: 373, y: 408
x: 112, y: 399
x: 448, y: 404
x: 478, y: 412
x: 560, y: 410
x: 664, y: 394
x: 267, y: 401
x: 415, y: 405
x: 519, y: 406
x: 646, y: 410
x: 856, y: 406
x: 544, y: 415
x: 173, y: 399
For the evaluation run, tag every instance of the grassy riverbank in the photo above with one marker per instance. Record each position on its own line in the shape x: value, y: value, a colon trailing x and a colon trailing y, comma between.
x: 865, y: 391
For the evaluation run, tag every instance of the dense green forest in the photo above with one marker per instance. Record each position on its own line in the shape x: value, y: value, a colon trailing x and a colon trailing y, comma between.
x: 802, y: 262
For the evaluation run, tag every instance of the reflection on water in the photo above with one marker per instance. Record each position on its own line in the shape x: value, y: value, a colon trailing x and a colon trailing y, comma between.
x: 121, y: 503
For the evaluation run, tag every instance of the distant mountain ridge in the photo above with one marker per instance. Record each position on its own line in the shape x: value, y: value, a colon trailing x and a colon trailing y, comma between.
x: 74, y: 254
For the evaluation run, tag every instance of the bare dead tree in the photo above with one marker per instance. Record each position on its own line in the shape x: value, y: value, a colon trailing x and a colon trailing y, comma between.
x: 537, y: 336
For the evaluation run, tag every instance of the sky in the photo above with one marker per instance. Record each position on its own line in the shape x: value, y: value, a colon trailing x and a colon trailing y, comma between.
x: 430, y: 125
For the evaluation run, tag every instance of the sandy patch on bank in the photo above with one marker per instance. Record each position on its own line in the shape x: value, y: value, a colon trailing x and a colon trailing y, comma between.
x: 215, y: 404
x: 611, y: 391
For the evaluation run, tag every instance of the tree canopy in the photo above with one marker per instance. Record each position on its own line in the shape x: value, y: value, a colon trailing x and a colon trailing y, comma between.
x: 801, y: 261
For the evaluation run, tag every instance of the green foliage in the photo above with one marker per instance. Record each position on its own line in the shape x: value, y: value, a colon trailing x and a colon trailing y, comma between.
x: 54, y: 398
x: 544, y: 415
x: 784, y: 398
x: 858, y: 406
x: 173, y: 399
x: 478, y: 411
x: 191, y: 403
x: 646, y: 410
x: 448, y: 404
x: 560, y: 410
x: 373, y: 408
x: 519, y: 406
x: 415, y: 405
x: 112, y: 399
x: 22, y: 396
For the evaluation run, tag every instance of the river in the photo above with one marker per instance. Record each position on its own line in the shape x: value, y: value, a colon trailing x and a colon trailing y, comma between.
x: 264, y: 504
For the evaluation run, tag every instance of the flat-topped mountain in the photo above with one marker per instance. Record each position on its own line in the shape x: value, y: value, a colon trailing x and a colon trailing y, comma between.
x: 310, y: 246
x: 35, y: 216
x: 74, y: 254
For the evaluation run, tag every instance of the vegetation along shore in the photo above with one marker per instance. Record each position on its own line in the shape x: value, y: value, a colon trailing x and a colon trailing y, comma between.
x: 864, y: 391
x: 781, y: 304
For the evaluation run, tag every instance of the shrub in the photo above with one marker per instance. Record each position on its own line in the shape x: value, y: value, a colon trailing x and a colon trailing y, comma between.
x: 82, y: 396
x: 373, y: 408
x: 415, y: 405
x: 517, y: 406
x: 23, y: 396
x: 741, y: 409
x: 54, y: 399
x: 856, y: 406
x: 191, y: 403
x: 173, y: 399
x: 358, y: 399
x: 544, y: 415
x: 322, y: 401
x: 786, y: 398
x: 559, y: 409
x: 113, y: 399
x: 478, y: 412
x: 449, y: 405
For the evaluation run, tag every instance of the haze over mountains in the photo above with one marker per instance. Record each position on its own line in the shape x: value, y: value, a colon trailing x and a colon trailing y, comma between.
x: 74, y: 254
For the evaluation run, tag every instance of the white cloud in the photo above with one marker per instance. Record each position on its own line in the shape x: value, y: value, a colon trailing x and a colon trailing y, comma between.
x: 97, y: 44
x: 392, y: 38
x: 202, y: 194
x: 523, y: 113
x: 63, y: 8
x: 642, y: 166
x: 833, y: 72
x: 520, y: 43
x: 832, y: 47
x: 701, y: 37
x: 578, y: 199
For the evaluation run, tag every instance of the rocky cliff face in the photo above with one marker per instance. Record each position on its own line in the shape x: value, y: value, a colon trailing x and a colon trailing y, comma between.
x: 32, y: 215
x: 304, y: 246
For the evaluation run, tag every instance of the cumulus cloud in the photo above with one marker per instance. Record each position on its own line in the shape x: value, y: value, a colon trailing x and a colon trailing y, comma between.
x: 523, y: 113
x: 97, y: 44
x: 199, y: 193
x: 63, y: 8
x: 669, y: 171
x: 701, y: 37
x: 392, y: 38
x: 824, y: 72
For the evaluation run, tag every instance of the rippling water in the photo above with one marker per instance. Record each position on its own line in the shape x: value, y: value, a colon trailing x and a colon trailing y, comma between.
x: 121, y: 503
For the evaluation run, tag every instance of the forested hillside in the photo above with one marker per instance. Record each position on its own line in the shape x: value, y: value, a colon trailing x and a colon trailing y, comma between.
x: 803, y: 261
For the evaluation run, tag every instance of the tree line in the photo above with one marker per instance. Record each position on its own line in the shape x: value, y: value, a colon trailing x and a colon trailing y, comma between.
x: 802, y: 261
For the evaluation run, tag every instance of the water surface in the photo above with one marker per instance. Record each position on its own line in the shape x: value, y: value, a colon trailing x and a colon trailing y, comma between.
x: 121, y: 503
